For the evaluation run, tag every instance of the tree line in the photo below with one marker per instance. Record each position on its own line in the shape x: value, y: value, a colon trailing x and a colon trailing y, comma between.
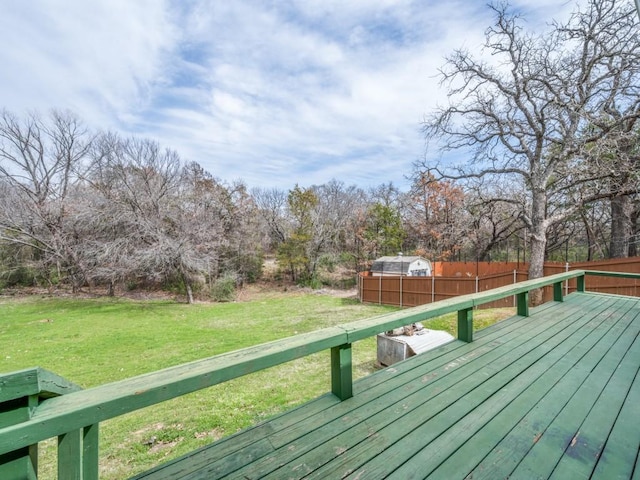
x: 548, y: 132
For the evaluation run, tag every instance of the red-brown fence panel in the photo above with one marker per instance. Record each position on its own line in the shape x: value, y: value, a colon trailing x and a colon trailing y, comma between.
x: 462, y: 279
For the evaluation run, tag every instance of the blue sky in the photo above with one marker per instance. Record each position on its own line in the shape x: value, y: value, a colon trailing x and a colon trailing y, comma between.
x: 275, y: 93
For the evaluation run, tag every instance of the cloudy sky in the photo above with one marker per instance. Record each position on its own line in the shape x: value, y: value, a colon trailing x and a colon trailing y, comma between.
x: 271, y: 92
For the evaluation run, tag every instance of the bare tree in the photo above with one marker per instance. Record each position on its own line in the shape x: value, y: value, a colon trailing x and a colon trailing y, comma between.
x: 492, y: 224
x: 242, y: 241
x: 272, y: 203
x: 531, y: 115
x: 40, y: 162
x: 336, y: 219
x: 619, y: 154
x: 145, y: 225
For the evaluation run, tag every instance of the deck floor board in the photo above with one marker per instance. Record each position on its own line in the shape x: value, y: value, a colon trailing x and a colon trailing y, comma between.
x: 552, y: 395
x: 509, y: 435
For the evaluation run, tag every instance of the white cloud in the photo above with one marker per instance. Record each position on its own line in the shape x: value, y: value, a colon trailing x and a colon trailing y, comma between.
x: 98, y: 58
x: 275, y: 93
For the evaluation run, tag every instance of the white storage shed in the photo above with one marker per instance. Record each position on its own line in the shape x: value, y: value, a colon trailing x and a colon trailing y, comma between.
x: 410, y: 266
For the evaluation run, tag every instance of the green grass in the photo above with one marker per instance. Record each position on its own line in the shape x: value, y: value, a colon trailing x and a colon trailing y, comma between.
x: 95, y: 341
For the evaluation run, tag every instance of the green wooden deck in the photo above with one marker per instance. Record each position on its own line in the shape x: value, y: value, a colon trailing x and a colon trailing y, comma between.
x: 549, y: 393
x: 552, y: 395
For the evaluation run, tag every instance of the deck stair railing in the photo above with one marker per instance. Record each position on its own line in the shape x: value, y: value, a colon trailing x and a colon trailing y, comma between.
x: 36, y: 405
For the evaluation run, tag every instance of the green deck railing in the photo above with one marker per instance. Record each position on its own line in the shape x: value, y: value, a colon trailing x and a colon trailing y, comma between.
x: 32, y: 411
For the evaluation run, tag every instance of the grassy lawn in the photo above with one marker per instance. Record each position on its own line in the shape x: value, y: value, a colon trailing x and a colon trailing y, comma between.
x: 96, y: 341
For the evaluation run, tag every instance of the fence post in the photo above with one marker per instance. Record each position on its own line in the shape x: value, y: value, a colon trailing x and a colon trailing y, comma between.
x: 380, y: 289
x: 433, y: 288
x: 401, y: 275
x: 477, y: 284
x: 515, y: 280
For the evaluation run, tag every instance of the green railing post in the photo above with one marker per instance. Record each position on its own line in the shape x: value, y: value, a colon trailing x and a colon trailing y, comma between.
x: 580, y: 283
x: 70, y: 455
x: 78, y: 454
x: 557, y: 292
x: 341, y: 372
x: 21, y: 464
x: 465, y: 325
x: 90, y: 466
x: 523, y: 304
x: 21, y: 393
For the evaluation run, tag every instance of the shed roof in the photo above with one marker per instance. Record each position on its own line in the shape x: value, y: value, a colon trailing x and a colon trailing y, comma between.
x: 397, y: 264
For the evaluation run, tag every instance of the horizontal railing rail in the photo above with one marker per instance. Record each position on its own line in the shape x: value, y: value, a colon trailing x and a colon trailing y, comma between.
x: 83, y: 409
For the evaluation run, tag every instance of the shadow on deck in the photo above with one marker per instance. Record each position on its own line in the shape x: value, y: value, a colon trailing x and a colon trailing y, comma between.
x: 552, y: 395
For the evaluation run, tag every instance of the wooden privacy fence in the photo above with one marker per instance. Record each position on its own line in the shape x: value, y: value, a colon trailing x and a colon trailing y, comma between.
x: 461, y: 278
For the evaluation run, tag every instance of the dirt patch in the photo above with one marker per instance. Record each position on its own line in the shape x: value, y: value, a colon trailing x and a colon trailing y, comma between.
x: 214, y: 434
x: 264, y: 289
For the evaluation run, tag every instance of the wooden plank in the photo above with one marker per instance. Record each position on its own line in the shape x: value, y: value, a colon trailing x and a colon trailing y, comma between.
x: 78, y: 454
x: 14, y: 467
x: 549, y: 448
x: 521, y: 287
x: 612, y: 274
x: 582, y: 454
x: 408, y: 457
x: 618, y: 458
x: 426, y: 401
x: 244, y: 440
x: 557, y: 292
x: 373, y: 326
x: 20, y: 394
x: 220, y: 467
x: 33, y: 381
x: 496, y: 448
x: 506, y: 455
x: 363, y: 329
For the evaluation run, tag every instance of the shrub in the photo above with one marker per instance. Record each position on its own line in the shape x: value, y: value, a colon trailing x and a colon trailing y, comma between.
x: 223, y: 289
x: 18, y: 277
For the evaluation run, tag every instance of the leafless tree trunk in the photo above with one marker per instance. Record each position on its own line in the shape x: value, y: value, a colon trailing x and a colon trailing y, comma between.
x: 621, y: 211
